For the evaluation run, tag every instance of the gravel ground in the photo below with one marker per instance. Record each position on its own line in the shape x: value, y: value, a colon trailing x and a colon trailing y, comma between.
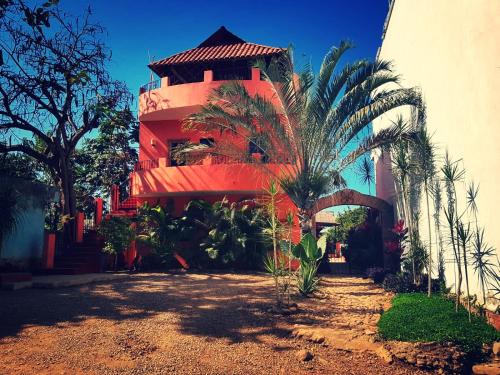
x: 182, y: 324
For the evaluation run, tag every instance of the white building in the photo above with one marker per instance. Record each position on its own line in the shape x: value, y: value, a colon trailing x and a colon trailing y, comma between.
x: 451, y: 50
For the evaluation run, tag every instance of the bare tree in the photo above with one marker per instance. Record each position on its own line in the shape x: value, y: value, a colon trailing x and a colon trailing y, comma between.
x: 54, y: 87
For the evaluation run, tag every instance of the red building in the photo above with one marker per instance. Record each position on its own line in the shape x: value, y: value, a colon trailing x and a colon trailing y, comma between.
x: 185, y: 81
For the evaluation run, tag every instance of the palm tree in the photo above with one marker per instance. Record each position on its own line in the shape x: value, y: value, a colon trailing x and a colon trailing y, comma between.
x: 427, y: 169
x: 438, y: 206
x: 452, y: 174
x: 365, y: 173
x: 404, y: 168
x: 306, y: 127
x: 482, y: 254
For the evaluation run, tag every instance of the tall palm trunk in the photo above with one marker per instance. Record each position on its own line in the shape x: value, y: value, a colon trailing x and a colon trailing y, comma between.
x: 429, y: 271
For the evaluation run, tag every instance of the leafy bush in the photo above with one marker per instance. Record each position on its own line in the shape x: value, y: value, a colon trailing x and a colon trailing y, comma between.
x: 398, y: 283
x: 417, y: 318
x: 377, y: 274
x: 231, y: 234
x: 403, y: 283
x: 117, y: 234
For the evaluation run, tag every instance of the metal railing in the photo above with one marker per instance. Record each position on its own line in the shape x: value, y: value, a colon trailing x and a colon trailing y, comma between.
x: 153, y: 85
x: 145, y: 165
x: 210, y: 159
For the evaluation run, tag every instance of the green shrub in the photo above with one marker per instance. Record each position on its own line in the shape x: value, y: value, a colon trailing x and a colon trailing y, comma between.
x: 398, y: 283
x: 377, y: 274
x: 415, y: 317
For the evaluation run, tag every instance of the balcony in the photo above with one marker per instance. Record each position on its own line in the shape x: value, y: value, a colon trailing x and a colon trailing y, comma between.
x: 161, y: 100
x: 213, y: 174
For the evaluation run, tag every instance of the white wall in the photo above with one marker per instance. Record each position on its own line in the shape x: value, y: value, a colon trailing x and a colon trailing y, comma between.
x: 451, y: 49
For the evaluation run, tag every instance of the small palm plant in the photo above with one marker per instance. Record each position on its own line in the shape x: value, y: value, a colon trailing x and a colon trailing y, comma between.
x: 404, y: 168
x: 438, y: 207
x: 482, y: 255
x: 464, y: 237
x: 365, y: 173
x: 427, y: 169
x: 452, y: 174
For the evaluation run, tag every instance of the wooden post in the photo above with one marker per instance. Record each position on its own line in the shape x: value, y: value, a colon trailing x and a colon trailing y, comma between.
x: 49, y: 247
x: 98, y: 212
x: 80, y: 218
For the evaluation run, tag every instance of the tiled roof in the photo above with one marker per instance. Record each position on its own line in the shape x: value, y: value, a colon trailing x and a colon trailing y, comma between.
x: 222, y: 45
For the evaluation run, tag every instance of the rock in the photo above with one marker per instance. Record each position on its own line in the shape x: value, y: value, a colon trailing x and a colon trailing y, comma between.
x: 304, y: 355
x: 486, y: 369
x: 370, y: 332
x: 317, y: 338
x: 384, y: 354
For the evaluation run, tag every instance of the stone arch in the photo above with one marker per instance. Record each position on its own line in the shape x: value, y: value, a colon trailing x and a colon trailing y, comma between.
x: 353, y: 197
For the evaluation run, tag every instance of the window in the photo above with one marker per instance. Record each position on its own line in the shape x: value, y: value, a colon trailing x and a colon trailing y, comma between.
x: 253, y: 148
x: 207, y: 141
x: 172, y: 147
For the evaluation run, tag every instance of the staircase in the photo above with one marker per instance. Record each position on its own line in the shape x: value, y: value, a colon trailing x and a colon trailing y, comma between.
x: 83, y: 257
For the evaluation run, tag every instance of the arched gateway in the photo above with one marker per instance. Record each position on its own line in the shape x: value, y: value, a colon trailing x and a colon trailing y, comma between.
x: 353, y: 197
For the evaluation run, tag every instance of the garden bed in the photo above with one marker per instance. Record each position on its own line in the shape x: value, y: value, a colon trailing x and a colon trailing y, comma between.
x: 416, y: 318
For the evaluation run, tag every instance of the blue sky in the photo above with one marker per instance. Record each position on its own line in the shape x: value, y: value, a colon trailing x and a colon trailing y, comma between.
x: 138, y: 29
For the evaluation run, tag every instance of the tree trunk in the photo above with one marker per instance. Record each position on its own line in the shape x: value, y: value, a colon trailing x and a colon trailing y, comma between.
x: 429, y: 271
x: 68, y: 200
x: 305, y: 218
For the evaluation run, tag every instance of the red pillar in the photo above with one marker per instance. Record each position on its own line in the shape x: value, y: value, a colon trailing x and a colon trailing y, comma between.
x: 80, y: 217
x: 98, y: 211
x: 49, y: 246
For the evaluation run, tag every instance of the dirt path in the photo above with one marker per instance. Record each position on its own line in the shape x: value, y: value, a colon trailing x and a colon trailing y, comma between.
x: 189, y: 324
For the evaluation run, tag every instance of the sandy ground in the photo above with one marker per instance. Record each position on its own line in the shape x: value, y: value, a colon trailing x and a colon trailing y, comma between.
x: 189, y: 324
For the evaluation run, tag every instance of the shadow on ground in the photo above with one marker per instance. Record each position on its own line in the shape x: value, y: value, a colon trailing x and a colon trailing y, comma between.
x: 216, y: 306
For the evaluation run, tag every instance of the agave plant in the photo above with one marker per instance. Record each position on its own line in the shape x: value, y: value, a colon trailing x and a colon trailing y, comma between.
x: 307, y: 126
x: 309, y: 252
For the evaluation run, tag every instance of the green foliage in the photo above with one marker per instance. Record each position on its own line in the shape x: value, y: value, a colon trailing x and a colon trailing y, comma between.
x: 106, y: 159
x: 233, y: 232
x: 117, y: 234
x: 158, y: 229
x: 347, y: 220
x: 309, y: 252
x: 307, y: 282
x: 417, y: 318
x: 55, y: 88
x: 315, y: 127
x: 11, y: 211
x: 19, y: 165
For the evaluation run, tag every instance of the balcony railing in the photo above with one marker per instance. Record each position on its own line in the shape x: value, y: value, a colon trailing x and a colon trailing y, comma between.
x: 145, y: 165
x: 207, y: 159
x: 153, y: 85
